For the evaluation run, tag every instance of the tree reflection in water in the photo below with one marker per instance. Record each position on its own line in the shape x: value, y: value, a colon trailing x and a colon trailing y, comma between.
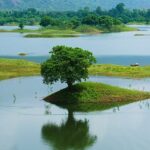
x: 70, y: 135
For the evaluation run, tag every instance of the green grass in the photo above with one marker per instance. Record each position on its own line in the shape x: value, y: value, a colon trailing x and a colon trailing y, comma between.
x: 119, y: 28
x: 83, y: 29
x: 138, y: 23
x: 89, y: 96
x: 85, y: 96
x: 120, y: 71
x: 50, y: 32
x: 88, y: 29
x: 10, y: 68
x: 44, y: 33
x: 122, y: 28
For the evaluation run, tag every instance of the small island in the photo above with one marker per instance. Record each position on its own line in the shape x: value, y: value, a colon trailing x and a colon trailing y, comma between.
x: 70, y: 65
x: 10, y: 68
x: 91, y: 96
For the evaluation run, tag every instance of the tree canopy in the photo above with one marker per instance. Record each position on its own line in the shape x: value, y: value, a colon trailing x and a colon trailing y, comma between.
x: 67, y: 64
x: 73, y: 19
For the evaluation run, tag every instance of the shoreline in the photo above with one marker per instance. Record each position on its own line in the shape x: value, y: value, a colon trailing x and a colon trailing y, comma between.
x: 58, y: 32
x: 10, y: 68
x: 92, y: 96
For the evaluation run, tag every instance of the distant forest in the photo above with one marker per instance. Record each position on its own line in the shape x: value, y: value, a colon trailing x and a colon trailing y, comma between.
x: 116, y: 15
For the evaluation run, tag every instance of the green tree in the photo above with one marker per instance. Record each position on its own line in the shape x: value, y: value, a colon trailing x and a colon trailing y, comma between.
x: 67, y: 64
x: 106, y: 21
x: 90, y: 20
x: 21, y: 25
x: 75, y: 22
x: 120, y: 7
x: 45, y: 21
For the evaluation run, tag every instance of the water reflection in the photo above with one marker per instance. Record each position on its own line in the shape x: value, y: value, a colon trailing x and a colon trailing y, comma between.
x: 72, y: 134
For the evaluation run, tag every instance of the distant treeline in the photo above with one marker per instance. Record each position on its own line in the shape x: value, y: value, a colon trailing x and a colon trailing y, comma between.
x: 72, y: 19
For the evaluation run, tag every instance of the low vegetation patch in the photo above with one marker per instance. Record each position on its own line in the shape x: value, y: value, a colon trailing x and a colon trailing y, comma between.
x: 83, y: 29
x: 45, y: 33
x: 88, y: 29
x: 10, y: 68
x: 122, y: 28
x: 89, y: 96
x: 120, y: 71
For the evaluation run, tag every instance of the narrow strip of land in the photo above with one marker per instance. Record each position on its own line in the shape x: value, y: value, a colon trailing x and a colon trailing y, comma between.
x: 58, y: 32
x: 120, y: 71
x: 10, y: 68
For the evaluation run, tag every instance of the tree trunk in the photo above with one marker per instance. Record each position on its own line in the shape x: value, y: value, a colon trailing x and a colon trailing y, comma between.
x: 69, y: 85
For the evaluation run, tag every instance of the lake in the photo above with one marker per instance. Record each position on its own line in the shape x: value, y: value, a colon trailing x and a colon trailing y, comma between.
x: 103, y: 59
x: 123, y: 43
x: 29, y: 123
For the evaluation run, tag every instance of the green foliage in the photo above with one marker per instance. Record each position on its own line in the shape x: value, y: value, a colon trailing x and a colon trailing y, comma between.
x: 45, y: 21
x: 120, y: 71
x: 21, y: 25
x: 90, y: 96
x: 87, y: 29
x: 74, y: 19
x: 67, y: 64
x: 10, y: 68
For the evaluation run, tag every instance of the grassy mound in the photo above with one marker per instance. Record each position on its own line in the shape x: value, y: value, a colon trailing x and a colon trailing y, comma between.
x: 47, y: 33
x: 10, y: 68
x: 89, y: 96
x: 87, y: 29
x: 120, y: 71
x: 122, y: 28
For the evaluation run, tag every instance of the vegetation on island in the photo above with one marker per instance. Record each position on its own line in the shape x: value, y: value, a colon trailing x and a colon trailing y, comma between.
x: 21, y: 25
x: 70, y: 65
x: 10, y: 68
x: 51, y: 32
x: 91, y: 96
x: 74, y: 22
x: 31, y: 16
x: 120, y: 71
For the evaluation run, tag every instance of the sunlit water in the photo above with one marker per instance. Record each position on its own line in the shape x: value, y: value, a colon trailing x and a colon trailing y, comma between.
x: 27, y: 122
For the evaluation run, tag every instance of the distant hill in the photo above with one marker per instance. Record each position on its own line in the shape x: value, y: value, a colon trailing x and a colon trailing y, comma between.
x: 61, y: 5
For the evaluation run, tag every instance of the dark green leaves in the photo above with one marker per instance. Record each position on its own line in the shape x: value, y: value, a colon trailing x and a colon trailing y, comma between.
x: 67, y: 64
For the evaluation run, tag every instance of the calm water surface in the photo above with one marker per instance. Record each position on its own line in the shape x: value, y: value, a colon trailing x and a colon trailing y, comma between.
x: 9, y: 28
x: 27, y: 122
x: 103, y: 59
x: 123, y: 43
